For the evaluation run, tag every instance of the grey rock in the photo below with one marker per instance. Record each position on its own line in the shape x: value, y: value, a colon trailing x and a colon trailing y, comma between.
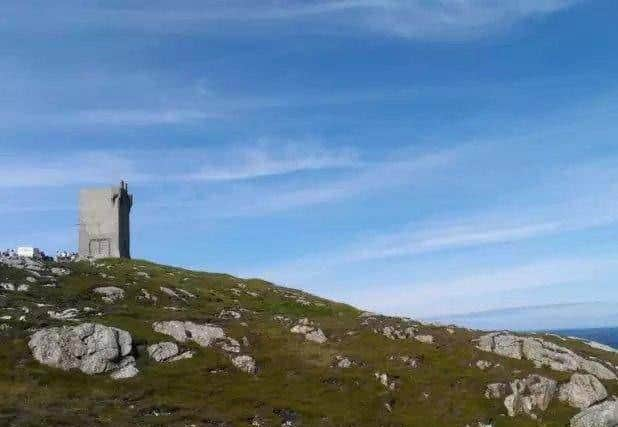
x: 7, y: 286
x: 533, y: 392
x: 58, y: 271
x: 245, y: 363
x: 602, y: 415
x: 147, y: 296
x: 128, y: 371
x: 162, y: 351
x: 316, y: 336
x: 542, y: 353
x: 310, y: 331
x: 204, y: 335
x: 427, y: 339
x: 110, y: 294
x: 582, y: 391
x: 483, y: 364
x: 186, y: 293
x: 495, y: 391
x: 385, y: 380
x: 181, y: 356
x: 89, y: 347
x: 169, y: 292
x: 69, y: 313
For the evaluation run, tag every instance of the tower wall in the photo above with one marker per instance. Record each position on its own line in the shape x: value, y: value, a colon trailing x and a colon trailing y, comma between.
x: 104, y: 227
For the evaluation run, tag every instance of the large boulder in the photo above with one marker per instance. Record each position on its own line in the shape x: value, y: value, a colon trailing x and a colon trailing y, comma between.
x: 582, y: 391
x: 90, y: 347
x: 531, y: 393
x: 542, y: 353
x: 602, y: 415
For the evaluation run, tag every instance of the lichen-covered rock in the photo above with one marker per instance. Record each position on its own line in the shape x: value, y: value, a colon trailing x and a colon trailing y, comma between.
x: 427, y: 339
x: 89, y: 347
x: 59, y: 271
x: 128, y: 371
x: 582, y: 391
x: 542, y: 353
x: 245, y: 363
x: 204, y: 335
x: 384, y: 379
x: 310, y: 331
x: 602, y: 415
x: 110, y: 294
x: 495, y: 390
x: 483, y: 364
x: 533, y: 392
x: 162, y: 351
x: 316, y: 336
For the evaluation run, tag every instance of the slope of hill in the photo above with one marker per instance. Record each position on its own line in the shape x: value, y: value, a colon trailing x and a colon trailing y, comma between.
x: 122, y: 342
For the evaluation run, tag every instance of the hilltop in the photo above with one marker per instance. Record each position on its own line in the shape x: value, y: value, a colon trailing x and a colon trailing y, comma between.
x: 120, y: 342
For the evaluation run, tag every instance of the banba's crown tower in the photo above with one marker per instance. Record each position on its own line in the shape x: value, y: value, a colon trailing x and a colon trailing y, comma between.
x: 104, y: 229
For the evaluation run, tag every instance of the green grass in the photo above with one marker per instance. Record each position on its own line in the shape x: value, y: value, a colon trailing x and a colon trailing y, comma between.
x: 294, y: 375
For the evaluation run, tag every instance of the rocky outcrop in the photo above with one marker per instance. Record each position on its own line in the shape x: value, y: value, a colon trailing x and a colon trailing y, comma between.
x: 90, y: 347
x: 427, y: 339
x: 602, y: 415
x: 206, y: 335
x: 542, y: 353
x: 110, y: 294
x: 311, y: 332
x: 582, y: 391
x: 529, y: 394
x: 395, y: 333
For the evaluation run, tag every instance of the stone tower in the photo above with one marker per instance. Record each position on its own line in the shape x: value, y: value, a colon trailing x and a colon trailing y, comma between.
x: 104, y: 222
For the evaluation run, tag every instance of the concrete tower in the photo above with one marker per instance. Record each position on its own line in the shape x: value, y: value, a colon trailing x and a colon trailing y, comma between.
x: 104, y: 222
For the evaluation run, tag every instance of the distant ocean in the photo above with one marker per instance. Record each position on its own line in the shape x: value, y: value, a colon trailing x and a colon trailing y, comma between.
x: 607, y: 336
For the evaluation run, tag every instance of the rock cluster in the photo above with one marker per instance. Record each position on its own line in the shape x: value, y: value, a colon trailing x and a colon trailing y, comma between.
x: 528, y: 394
x: 384, y: 379
x: 90, y: 347
x: 207, y: 335
x: 396, y: 333
x: 582, y: 391
x: 602, y: 415
x: 542, y: 353
x: 110, y: 294
x: 311, y: 332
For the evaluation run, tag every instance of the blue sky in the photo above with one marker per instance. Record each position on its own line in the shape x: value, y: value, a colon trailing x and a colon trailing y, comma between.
x: 453, y: 160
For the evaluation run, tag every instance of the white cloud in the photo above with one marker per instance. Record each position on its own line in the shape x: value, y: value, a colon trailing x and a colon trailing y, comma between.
x: 414, y: 19
x: 439, y: 298
x: 264, y: 158
x: 268, y: 158
x: 549, y: 316
x: 365, y: 180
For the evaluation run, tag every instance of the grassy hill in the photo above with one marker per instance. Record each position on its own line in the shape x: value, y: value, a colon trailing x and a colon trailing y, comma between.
x: 298, y: 382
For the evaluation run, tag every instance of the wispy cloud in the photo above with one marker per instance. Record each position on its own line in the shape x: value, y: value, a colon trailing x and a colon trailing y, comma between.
x: 439, y: 298
x: 269, y: 158
x: 547, y: 316
x: 413, y: 19
x: 368, y: 179
x: 241, y: 162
